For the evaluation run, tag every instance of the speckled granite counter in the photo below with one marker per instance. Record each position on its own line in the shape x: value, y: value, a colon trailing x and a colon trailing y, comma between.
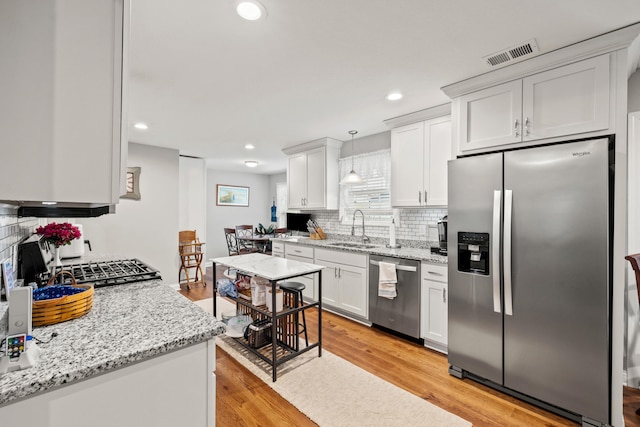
x: 127, y: 324
x: 420, y: 254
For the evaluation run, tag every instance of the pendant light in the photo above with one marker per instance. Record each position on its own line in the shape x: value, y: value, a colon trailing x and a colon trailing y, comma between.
x: 352, y: 177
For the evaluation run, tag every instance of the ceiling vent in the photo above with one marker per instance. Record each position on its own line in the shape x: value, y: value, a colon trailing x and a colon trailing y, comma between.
x: 513, y: 54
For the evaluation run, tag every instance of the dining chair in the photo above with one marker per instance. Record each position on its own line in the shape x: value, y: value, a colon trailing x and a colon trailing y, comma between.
x: 282, y: 232
x: 245, y: 246
x: 232, y: 243
x: 634, y: 260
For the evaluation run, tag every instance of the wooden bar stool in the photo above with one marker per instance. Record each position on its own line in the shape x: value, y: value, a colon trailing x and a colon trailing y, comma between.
x: 294, y: 289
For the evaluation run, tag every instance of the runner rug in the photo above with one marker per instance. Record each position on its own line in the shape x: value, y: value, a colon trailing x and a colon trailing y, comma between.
x: 334, y: 392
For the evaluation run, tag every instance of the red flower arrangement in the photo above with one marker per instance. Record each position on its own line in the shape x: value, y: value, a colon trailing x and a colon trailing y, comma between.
x: 59, y: 234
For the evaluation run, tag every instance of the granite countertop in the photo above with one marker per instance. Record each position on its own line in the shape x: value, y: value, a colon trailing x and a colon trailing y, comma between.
x: 420, y: 254
x: 127, y: 324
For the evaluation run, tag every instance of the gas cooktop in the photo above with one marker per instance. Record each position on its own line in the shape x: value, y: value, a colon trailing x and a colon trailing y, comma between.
x: 107, y: 273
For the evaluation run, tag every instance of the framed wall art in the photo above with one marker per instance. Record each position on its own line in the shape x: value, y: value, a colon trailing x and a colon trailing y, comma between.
x: 232, y: 195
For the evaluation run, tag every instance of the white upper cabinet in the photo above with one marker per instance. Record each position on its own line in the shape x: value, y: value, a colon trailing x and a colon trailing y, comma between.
x: 491, y: 116
x: 61, y: 112
x: 312, y: 174
x: 419, y: 155
x: 568, y: 100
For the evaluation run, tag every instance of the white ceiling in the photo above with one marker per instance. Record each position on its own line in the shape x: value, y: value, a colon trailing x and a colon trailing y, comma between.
x: 208, y: 82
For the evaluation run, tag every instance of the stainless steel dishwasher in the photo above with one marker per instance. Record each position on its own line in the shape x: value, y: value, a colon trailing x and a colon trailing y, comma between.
x: 401, y: 314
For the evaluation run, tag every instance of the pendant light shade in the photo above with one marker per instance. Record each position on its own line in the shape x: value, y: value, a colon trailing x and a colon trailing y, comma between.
x: 352, y: 177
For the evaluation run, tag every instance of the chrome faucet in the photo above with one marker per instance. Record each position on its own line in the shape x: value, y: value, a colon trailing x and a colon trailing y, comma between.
x: 365, y: 239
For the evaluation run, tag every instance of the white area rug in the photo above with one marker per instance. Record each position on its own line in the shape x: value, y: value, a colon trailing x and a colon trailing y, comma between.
x: 333, y: 392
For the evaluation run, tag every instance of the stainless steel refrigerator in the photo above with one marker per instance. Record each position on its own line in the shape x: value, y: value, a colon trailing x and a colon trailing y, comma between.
x: 530, y: 274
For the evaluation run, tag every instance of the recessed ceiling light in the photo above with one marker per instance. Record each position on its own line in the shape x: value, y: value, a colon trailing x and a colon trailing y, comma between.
x: 49, y: 203
x: 249, y: 146
x: 394, y: 96
x: 250, y: 10
x: 251, y: 163
x: 141, y: 126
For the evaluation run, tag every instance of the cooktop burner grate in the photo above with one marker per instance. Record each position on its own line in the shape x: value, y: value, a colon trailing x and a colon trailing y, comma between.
x: 108, y: 273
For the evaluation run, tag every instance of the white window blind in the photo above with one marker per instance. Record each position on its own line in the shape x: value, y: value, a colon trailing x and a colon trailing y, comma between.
x: 373, y: 196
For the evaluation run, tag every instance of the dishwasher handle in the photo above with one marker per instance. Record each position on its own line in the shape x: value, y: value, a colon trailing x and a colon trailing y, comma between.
x: 398, y: 266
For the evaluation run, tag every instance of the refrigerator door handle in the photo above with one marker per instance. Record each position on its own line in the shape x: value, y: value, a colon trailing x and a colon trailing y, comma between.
x: 508, y: 294
x: 495, y: 250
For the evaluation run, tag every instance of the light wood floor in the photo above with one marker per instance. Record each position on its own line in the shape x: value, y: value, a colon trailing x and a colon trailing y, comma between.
x: 244, y: 400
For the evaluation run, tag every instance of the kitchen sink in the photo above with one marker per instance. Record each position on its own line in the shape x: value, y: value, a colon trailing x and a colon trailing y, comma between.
x: 352, y: 245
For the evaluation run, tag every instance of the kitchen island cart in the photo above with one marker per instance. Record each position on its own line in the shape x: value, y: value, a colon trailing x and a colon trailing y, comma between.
x: 284, y: 323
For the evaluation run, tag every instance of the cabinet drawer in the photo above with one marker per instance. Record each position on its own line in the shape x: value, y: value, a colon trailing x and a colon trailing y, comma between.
x: 303, y: 251
x: 342, y: 257
x: 435, y: 272
x: 277, y: 246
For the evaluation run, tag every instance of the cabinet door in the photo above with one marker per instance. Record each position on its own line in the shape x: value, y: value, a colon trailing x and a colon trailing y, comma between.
x: 309, y: 281
x: 297, y: 180
x: 407, y: 165
x: 437, y: 154
x: 567, y: 100
x: 490, y: 117
x: 433, y: 321
x: 353, y: 290
x: 61, y: 109
x: 316, y: 179
x: 330, y: 284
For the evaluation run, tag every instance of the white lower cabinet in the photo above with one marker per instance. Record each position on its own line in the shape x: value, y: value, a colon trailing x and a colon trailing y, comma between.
x: 344, y: 282
x: 277, y: 249
x: 303, y: 254
x: 433, y: 315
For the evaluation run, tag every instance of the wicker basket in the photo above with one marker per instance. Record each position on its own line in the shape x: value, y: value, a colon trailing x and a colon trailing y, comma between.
x: 56, y: 310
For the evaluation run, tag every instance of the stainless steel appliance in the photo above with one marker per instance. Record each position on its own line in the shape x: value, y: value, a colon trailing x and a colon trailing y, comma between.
x: 530, y: 275
x: 401, y: 314
x: 442, y: 235
x: 109, y: 273
x: 34, y: 256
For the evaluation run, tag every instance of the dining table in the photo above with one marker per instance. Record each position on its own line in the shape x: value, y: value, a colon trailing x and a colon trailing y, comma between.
x: 261, y: 241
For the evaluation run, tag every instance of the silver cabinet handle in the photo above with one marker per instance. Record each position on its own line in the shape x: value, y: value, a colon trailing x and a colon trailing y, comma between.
x: 335, y: 272
x: 298, y: 251
x: 419, y: 197
x: 495, y: 250
x: 435, y: 273
x: 425, y: 197
x: 339, y: 272
x: 508, y: 294
x: 516, y: 125
x: 526, y: 126
x: 444, y: 295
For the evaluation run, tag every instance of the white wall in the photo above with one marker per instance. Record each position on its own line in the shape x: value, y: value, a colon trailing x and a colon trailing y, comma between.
x: 219, y: 217
x: 146, y: 229
x: 192, y: 212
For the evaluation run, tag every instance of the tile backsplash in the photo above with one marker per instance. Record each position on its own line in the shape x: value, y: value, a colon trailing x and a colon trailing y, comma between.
x: 12, y: 230
x: 412, y: 229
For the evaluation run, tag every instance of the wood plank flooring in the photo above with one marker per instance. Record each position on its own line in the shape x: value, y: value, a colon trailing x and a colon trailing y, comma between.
x: 244, y: 400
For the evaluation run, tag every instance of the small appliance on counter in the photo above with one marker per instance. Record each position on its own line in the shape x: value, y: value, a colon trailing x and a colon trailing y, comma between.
x: 442, y: 237
x: 18, y: 350
x: 34, y: 256
x: 76, y: 248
